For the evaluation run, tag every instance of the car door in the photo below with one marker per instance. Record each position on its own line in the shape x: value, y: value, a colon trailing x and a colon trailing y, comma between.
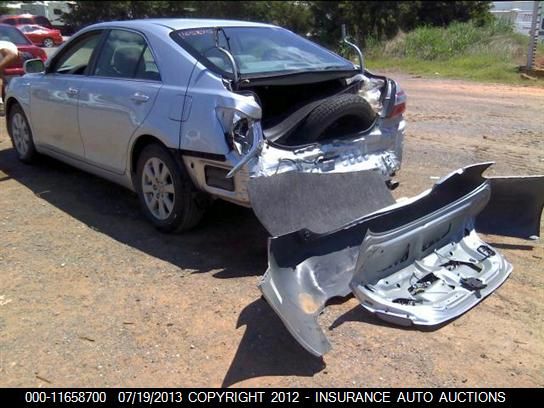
x: 116, y: 98
x: 54, y: 98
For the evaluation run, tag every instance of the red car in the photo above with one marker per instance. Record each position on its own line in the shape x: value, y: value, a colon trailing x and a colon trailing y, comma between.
x: 25, y: 19
x: 27, y: 50
x: 41, y: 35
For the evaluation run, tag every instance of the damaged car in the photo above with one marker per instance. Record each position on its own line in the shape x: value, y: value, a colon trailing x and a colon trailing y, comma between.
x: 184, y: 111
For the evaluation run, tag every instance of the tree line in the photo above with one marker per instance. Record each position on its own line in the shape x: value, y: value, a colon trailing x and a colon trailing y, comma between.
x: 320, y: 20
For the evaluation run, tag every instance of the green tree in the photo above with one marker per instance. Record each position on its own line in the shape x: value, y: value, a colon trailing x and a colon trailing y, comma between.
x: 321, y: 19
x: 3, y: 8
x: 382, y: 20
x: 291, y: 14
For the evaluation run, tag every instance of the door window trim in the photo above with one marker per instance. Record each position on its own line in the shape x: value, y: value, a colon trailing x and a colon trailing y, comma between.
x: 92, y: 71
x: 51, y: 69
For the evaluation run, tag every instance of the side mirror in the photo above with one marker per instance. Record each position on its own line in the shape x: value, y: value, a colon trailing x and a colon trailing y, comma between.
x: 34, y: 66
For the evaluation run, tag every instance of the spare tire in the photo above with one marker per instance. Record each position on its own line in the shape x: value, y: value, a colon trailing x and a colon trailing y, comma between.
x: 336, y: 117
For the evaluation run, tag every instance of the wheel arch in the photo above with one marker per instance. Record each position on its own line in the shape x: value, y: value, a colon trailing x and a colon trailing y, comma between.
x: 138, y: 146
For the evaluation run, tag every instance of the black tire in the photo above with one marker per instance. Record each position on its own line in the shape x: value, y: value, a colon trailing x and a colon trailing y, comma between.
x: 48, y: 42
x: 336, y: 117
x: 17, y: 122
x: 189, y: 204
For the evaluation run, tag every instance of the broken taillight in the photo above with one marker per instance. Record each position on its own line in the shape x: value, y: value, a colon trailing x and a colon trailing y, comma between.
x: 400, y: 103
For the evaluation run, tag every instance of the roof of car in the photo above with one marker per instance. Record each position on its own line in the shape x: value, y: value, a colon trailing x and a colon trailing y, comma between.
x: 181, y: 23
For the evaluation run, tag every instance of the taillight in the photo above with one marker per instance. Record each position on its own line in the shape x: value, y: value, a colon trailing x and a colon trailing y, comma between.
x: 400, y: 103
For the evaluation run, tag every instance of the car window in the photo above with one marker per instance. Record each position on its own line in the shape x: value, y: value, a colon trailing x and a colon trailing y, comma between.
x: 126, y: 55
x: 258, y: 50
x: 147, y: 68
x: 26, y: 21
x: 77, y: 57
x: 31, y: 28
x: 11, y: 21
x: 13, y: 35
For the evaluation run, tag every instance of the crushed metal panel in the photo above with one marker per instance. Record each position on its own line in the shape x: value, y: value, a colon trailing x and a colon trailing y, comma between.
x: 320, y: 202
x: 306, y: 268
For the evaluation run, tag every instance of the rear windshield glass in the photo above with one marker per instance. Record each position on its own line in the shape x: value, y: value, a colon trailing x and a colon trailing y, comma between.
x: 13, y: 35
x: 258, y: 50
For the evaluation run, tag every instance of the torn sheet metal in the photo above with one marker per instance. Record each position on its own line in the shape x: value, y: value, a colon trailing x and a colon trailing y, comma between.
x: 419, y: 262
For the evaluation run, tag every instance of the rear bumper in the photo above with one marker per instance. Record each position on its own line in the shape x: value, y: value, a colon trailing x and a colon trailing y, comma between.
x: 420, y: 262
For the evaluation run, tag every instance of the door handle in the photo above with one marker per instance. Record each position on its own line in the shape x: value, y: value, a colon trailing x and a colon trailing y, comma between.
x: 72, y: 91
x: 139, y: 97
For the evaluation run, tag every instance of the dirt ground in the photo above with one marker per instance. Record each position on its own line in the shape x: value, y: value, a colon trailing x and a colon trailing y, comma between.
x: 92, y: 295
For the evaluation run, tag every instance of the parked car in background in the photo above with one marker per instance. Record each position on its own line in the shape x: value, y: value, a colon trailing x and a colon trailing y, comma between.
x: 22, y: 19
x: 39, y: 35
x: 26, y: 49
x: 55, y: 23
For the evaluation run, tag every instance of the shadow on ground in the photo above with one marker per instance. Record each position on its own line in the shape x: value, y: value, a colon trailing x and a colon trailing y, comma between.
x: 229, y: 238
x: 230, y: 241
x: 267, y: 348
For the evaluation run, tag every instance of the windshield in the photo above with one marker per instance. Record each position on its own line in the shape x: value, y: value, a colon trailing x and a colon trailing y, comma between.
x: 258, y: 50
x: 13, y: 35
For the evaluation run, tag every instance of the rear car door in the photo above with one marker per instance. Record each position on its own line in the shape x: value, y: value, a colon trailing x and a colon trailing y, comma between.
x: 117, y: 98
x: 54, y: 97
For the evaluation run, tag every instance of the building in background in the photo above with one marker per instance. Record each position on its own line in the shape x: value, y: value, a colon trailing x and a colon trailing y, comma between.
x: 520, y: 13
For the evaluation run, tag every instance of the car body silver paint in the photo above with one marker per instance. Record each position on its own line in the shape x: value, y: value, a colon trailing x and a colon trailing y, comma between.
x: 187, y: 91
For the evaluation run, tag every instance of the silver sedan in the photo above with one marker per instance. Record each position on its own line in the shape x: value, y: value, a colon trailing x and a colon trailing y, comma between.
x: 184, y: 111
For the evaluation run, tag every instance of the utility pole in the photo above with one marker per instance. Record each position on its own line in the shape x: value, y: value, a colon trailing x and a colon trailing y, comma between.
x: 533, y: 36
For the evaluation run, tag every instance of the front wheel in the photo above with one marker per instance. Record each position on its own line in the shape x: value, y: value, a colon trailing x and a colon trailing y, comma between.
x: 167, y: 195
x: 48, y: 43
x: 21, y: 135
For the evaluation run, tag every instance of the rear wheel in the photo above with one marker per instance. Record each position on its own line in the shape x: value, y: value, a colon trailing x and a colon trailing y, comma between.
x: 21, y: 135
x: 167, y: 195
x: 48, y: 42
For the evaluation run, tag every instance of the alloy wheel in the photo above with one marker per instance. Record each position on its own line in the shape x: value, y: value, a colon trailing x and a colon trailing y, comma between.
x: 158, y: 188
x: 20, y: 133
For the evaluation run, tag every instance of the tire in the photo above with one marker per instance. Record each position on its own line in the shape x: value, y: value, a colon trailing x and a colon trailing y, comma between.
x: 21, y: 134
x: 48, y: 43
x: 167, y: 195
x: 336, y: 117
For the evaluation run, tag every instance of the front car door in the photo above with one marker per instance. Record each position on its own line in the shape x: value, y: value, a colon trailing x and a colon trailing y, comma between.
x: 54, y: 97
x: 116, y: 98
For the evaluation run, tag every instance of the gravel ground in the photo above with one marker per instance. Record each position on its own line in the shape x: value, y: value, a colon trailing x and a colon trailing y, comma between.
x: 91, y: 295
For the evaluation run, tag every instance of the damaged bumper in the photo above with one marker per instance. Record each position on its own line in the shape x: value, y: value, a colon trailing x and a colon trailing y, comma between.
x: 419, y: 262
